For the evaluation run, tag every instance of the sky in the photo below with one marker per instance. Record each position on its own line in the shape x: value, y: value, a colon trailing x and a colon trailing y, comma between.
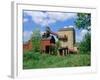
x: 55, y: 20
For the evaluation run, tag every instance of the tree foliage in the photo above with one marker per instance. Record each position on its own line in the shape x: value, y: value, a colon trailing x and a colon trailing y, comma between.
x: 36, y: 37
x: 85, y: 45
x: 83, y: 21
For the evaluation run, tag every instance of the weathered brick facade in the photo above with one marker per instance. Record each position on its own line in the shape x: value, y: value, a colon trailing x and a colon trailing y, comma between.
x: 70, y: 34
x: 27, y: 46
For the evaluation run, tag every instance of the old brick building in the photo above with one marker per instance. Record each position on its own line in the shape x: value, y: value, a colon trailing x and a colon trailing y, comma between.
x: 27, y: 46
x: 66, y: 37
x: 69, y: 35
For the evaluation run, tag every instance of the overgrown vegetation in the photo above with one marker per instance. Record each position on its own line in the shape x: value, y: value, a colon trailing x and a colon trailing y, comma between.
x: 83, y: 21
x: 85, y: 45
x: 33, y: 60
x: 36, y: 37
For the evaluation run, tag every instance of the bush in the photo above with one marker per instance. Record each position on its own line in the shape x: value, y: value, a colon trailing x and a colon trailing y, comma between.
x: 31, y: 55
x: 85, y: 45
x: 36, y: 45
x: 36, y: 37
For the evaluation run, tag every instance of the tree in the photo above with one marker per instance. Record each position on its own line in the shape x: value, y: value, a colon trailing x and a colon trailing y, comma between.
x: 36, y: 37
x: 83, y: 21
x: 85, y: 45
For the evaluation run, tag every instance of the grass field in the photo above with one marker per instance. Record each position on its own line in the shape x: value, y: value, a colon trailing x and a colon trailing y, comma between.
x: 36, y: 60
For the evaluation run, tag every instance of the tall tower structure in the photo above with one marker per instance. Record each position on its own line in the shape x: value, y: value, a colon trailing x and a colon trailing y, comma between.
x: 69, y: 34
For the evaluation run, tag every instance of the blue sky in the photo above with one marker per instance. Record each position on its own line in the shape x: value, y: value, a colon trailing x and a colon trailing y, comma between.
x: 55, y: 20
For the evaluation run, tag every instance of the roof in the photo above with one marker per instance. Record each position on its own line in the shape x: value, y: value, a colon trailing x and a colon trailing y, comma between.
x: 66, y: 29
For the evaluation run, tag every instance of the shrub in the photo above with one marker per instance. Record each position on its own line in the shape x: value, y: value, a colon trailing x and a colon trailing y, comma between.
x: 85, y: 45
x: 31, y: 55
x: 36, y: 37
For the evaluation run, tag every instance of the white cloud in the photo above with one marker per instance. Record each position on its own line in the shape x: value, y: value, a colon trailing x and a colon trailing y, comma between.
x: 83, y: 32
x: 27, y: 35
x: 65, y: 26
x: 25, y: 20
x: 78, y: 38
x: 60, y: 15
x: 80, y: 35
x: 71, y: 26
x: 46, y: 18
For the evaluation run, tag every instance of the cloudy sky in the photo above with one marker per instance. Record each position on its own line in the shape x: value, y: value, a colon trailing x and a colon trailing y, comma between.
x: 55, y: 20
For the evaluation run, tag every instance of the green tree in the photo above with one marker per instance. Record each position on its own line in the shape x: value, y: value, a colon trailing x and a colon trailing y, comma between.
x: 36, y: 37
x: 85, y: 45
x: 83, y: 21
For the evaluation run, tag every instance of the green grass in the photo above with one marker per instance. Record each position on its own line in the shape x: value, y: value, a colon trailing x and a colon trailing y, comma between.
x: 35, y: 60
